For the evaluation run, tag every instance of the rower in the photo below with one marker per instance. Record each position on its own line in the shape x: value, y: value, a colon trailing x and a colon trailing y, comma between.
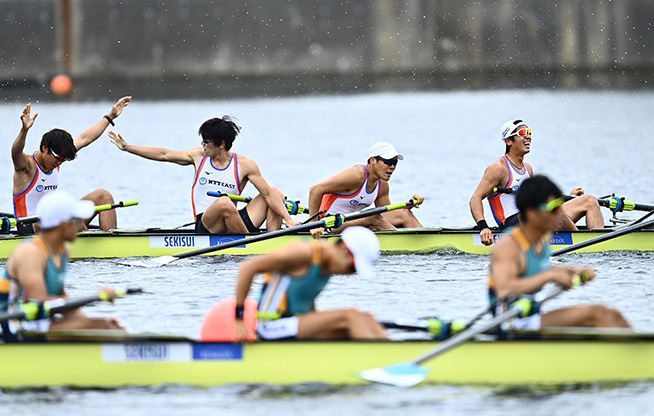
x: 36, y: 269
x: 37, y: 174
x: 510, y: 171
x: 295, y: 275
x: 520, y: 264
x: 361, y: 186
x: 218, y: 169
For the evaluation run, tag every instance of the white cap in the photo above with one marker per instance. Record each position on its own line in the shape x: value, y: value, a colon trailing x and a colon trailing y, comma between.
x: 509, y: 127
x: 384, y: 150
x: 364, y: 246
x: 58, y: 207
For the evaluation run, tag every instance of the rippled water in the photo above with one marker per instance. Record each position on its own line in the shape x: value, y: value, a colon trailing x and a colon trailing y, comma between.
x: 589, y: 139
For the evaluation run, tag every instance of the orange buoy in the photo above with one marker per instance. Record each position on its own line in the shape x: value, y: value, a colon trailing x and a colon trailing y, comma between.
x: 61, y: 85
x: 219, y: 323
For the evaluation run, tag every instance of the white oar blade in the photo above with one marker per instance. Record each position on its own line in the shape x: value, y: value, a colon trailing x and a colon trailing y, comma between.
x: 400, y: 375
x: 150, y: 261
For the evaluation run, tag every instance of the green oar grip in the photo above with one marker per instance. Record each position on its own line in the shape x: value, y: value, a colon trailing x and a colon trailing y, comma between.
x: 233, y: 197
x: 121, y: 204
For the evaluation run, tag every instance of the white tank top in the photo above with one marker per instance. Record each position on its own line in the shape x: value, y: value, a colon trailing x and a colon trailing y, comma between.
x: 210, y: 178
x: 42, y: 183
x: 503, y: 205
x: 354, y: 202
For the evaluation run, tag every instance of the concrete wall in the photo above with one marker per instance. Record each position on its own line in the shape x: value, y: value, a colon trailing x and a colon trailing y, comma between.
x: 211, y: 48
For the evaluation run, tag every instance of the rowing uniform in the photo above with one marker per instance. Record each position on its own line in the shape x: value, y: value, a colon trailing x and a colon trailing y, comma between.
x: 25, y: 202
x: 503, y: 205
x: 210, y: 178
x: 11, y: 293
x: 536, y: 263
x: 285, y: 297
x: 354, y: 202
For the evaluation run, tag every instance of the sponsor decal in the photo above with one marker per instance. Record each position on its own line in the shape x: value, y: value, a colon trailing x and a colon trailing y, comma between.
x: 221, y: 183
x: 202, y: 181
x: 192, y: 241
x: 170, y: 352
x: 561, y: 239
x: 356, y: 203
x: 41, y: 188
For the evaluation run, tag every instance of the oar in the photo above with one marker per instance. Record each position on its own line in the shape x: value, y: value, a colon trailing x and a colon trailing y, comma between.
x: 293, y: 207
x: 614, y: 203
x: 31, y: 311
x: 98, y: 208
x: 439, y: 328
x: 608, y: 236
x: 327, y: 222
x: 410, y: 374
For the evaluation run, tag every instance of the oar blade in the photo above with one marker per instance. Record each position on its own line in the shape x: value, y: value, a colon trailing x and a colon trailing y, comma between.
x: 150, y: 261
x: 399, y: 375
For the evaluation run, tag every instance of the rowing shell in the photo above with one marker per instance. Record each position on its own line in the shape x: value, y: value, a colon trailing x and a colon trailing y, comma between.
x: 150, y: 360
x: 160, y: 242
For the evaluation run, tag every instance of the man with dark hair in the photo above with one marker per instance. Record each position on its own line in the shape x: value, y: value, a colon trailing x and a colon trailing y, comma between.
x: 37, y: 174
x: 219, y: 169
x: 520, y: 263
x: 508, y: 172
x: 361, y: 186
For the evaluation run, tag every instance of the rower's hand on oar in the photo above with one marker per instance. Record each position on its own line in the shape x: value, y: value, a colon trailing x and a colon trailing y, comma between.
x: 419, y: 198
x: 242, y: 333
x: 486, y: 236
x: 117, y: 139
x: 108, y: 294
x: 316, y: 233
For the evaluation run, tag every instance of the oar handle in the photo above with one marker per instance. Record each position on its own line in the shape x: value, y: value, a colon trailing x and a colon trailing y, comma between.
x: 121, y: 204
x: 326, y: 222
x: 233, y: 197
x: 98, y: 208
x: 31, y: 311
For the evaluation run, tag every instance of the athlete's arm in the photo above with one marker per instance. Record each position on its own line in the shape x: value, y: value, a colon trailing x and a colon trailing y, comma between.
x: 27, y: 265
x: 252, y: 173
x: 159, y: 154
x: 91, y: 134
x: 344, y: 182
x: 18, y: 156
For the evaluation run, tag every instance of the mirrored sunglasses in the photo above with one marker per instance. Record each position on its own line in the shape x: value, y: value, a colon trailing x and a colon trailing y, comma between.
x: 387, y: 162
x: 59, y: 158
x: 523, y: 132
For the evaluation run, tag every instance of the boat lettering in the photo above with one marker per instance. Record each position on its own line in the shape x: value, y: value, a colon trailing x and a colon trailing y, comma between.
x: 146, y: 352
x: 561, y: 239
x: 211, y: 351
x: 184, y: 241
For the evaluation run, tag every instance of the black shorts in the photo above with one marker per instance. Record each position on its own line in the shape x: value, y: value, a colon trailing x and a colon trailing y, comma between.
x: 512, y: 221
x: 25, y: 229
x: 201, y: 229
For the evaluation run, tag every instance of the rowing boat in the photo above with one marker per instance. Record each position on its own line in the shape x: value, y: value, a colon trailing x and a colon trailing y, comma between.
x: 162, y: 242
x: 551, y: 358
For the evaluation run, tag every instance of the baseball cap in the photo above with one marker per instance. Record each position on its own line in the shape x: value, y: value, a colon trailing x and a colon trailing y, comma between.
x: 58, y: 207
x: 364, y: 246
x: 384, y: 150
x: 509, y: 127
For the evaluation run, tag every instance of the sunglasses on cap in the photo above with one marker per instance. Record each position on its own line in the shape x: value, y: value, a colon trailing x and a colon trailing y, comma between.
x: 523, y: 132
x: 59, y: 158
x: 387, y: 162
x: 552, y: 205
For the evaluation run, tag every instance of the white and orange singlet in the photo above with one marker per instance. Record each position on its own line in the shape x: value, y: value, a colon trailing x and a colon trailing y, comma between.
x: 42, y: 183
x: 354, y: 202
x: 503, y: 204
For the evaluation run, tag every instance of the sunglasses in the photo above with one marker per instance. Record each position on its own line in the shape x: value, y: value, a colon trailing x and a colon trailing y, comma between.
x: 552, y: 205
x: 523, y: 132
x: 387, y: 162
x: 59, y: 158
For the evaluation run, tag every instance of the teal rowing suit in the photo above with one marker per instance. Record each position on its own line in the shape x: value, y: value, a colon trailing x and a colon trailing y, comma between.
x: 536, y: 263
x: 284, y: 295
x: 11, y: 292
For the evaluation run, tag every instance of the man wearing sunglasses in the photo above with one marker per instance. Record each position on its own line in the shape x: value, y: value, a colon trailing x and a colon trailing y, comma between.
x: 509, y: 172
x: 520, y: 264
x: 361, y: 186
x: 219, y: 169
x: 37, y: 174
